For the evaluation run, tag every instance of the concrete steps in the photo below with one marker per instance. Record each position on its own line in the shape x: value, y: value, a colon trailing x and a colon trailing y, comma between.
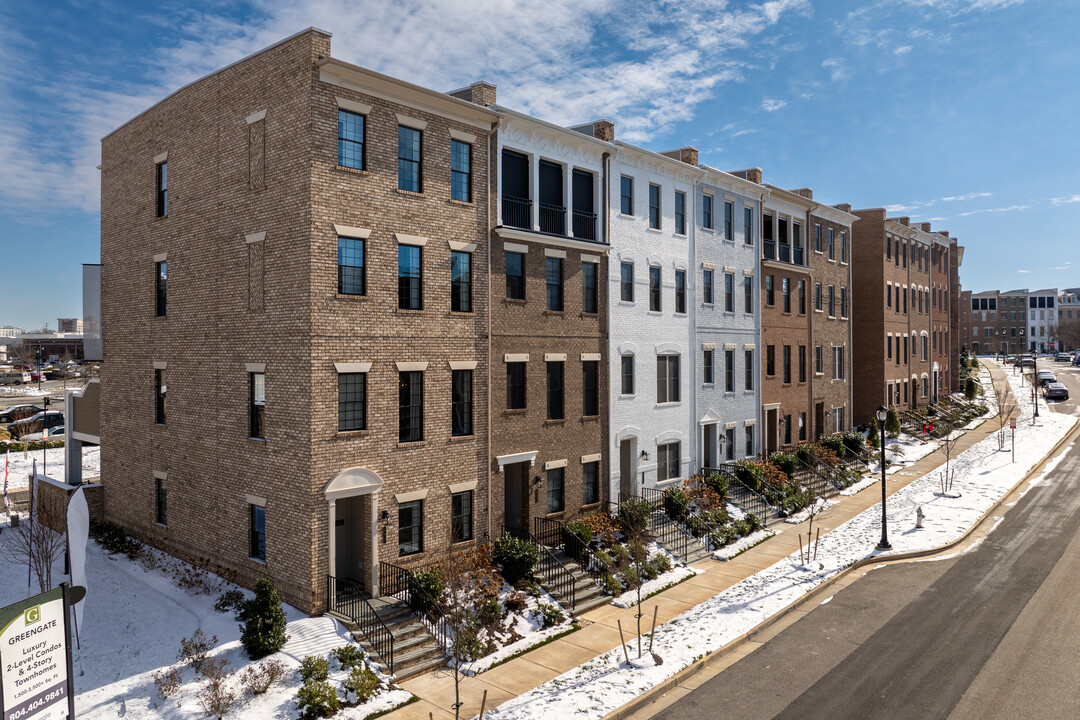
x: 587, y: 594
x: 415, y: 650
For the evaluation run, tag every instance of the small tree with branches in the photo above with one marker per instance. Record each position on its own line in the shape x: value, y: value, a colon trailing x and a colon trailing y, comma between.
x: 948, y: 446
x: 34, y: 542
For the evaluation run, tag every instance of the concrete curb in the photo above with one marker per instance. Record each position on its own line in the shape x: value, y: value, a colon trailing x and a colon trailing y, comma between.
x: 685, y: 674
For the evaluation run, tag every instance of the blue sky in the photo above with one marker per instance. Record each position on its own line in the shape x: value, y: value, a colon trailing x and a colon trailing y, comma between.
x: 960, y: 112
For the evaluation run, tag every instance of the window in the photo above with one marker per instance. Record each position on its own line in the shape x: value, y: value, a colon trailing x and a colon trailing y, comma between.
x: 802, y: 426
x: 589, y: 300
x: 161, y: 277
x: 749, y: 441
x: 748, y: 295
x: 748, y: 370
x: 817, y: 297
x: 515, y: 386
x: 460, y: 281
x: 767, y: 228
x: 461, y: 403
x: 802, y: 297
x: 654, y: 206
x: 802, y: 363
x: 410, y: 290
x: 159, y: 397
x: 707, y: 366
x: 729, y: 443
x: 590, y: 481
x: 729, y: 292
x: 729, y: 219
x: 819, y: 360
x: 785, y: 293
x: 832, y: 301
x: 161, y: 501
x: 748, y: 226
x: 258, y: 403
x: 817, y: 237
x: 350, y: 266
x: 843, y: 247
x: 888, y: 295
x: 408, y: 164
x: 627, y: 374
x: 554, y: 279
x: 680, y: 291
x: 627, y: 195
x: 888, y: 249
x: 839, y: 425
x: 707, y: 211
x: 707, y: 286
x: 924, y: 346
x: 787, y: 429
x: 410, y: 518
x: 555, y: 409
x: 626, y: 284
x: 770, y: 291
x: 680, y: 212
x: 770, y: 360
x: 838, y: 362
x: 352, y: 401
x: 667, y: 461
x: 515, y: 276
x: 460, y: 171
x: 161, y: 185
x: 667, y: 378
x: 555, y: 479
x: 350, y: 142
x: 843, y: 302
x: 590, y: 388
x: 832, y: 244
x: 461, y: 528
x: 410, y: 406
x: 787, y: 363
x: 257, y: 532
x: 654, y: 289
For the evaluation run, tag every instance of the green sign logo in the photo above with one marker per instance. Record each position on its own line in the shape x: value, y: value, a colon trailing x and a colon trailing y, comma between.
x: 32, y: 615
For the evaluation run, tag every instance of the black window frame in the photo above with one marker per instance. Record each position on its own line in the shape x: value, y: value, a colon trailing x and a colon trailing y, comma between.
x: 554, y: 300
x: 748, y: 371
x: 626, y: 374
x: 161, y: 501
x: 590, y: 483
x: 347, y: 275
x: 786, y: 363
x: 667, y: 378
x: 770, y: 360
x: 626, y: 195
x: 770, y: 290
x: 707, y: 211
x: 160, y: 390
x: 729, y: 371
x: 680, y: 292
x: 460, y: 282
x: 654, y: 206
x: 555, y: 374
x: 161, y: 282
x: 413, y: 524
x: 556, y: 490
x: 405, y: 159
x: 680, y: 212
x: 668, y: 461
x: 626, y: 284
x: 410, y: 287
x: 352, y: 402
x: 515, y: 282
x: 708, y: 371
x: 257, y: 407
x: 655, y: 283
x: 257, y: 532
x: 729, y: 220
x: 590, y: 291
x: 347, y: 141
x: 590, y: 388
x: 410, y: 406
x: 748, y: 295
x: 748, y: 226
x: 460, y: 175
x: 516, y: 385
x: 802, y: 363
x: 161, y: 189
x: 729, y: 292
x: 461, y: 516
x: 707, y: 286
x: 461, y: 403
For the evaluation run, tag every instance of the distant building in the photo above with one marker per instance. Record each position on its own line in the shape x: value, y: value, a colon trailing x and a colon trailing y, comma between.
x: 10, y: 331
x: 69, y: 325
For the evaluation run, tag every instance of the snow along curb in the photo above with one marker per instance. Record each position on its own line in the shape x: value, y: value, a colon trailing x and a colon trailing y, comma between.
x: 650, y: 695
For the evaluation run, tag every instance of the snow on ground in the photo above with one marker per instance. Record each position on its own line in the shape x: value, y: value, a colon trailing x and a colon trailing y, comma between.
x: 133, y: 621
x: 742, y: 545
x: 801, y: 516
x: 983, y: 475
x: 866, y: 482
x: 26, y: 391
x: 19, y: 467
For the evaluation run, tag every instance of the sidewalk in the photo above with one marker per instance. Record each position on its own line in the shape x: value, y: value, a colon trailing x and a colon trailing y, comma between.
x: 600, y: 632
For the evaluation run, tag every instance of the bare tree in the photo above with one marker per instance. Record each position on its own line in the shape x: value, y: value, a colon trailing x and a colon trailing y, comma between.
x: 34, y: 542
x: 948, y: 446
x: 1066, y: 334
x: 813, y: 508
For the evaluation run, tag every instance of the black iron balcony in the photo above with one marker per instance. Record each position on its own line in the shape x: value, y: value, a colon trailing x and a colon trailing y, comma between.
x: 797, y: 255
x: 785, y: 252
x: 552, y: 219
x: 769, y: 249
x: 584, y: 225
x: 517, y: 212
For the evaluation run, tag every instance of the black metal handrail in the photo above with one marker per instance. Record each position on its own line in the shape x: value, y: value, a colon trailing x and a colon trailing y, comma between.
x: 769, y: 249
x: 785, y: 252
x: 402, y: 583
x: 517, y: 212
x: 554, y: 533
x: 670, y: 532
x: 553, y: 574
x: 740, y: 494
x: 584, y: 225
x: 354, y: 605
x: 552, y: 219
x: 797, y: 255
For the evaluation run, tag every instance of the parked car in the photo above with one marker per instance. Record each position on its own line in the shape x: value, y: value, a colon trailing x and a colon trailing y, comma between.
x: 1046, y: 377
x: 53, y: 433
x: 1076, y: 360
x: 1057, y: 391
x: 17, y: 412
x: 1063, y: 357
x: 16, y: 377
x: 1026, y: 362
x: 35, y: 423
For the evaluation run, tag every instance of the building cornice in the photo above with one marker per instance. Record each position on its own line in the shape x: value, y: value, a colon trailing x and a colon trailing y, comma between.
x: 543, y: 239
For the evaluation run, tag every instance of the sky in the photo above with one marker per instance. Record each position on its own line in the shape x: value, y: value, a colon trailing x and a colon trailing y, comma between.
x: 962, y: 113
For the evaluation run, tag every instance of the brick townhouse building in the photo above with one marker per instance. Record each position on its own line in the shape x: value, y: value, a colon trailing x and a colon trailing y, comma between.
x: 985, y: 338
x: 295, y: 252
x: 965, y: 314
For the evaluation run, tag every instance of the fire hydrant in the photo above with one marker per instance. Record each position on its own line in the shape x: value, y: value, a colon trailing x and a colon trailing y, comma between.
x: 918, y: 517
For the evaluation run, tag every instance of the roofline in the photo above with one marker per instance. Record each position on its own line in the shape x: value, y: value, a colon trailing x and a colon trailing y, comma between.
x: 311, y: 28
x: 691, y: 169
x: 517, y: 115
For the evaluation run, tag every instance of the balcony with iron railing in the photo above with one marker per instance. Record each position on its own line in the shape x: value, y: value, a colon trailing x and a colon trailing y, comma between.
x: 517, y: 213
x: 552, y: 219
x: 783, y: 252
x: 584, y: 225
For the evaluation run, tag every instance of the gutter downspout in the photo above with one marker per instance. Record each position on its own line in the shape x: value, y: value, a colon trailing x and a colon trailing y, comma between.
x: 493, y: 146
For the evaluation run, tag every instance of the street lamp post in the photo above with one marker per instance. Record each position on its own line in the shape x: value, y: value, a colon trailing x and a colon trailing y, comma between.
x: 1035, y: 381
x: 882, y: 415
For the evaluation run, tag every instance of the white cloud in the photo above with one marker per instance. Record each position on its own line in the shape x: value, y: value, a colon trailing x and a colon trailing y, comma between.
x: 967, y: 196
x: 542, y: 54
x: 902, y: 50
x: 836, y: 68
x: 1065, y: 200
x: 747, y: 131
x: 771, y: 105
x: 1010, y: 208
x: 1024, y: 272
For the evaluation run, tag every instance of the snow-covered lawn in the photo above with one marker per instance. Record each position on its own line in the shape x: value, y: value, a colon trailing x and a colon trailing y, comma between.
x: 134, y: 619
x: 26, y: 391
x: 743, y: 544
x: 983, y: 475
x: 19, y: 467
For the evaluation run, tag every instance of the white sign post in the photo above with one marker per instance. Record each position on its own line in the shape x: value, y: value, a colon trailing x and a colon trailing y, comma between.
x: 35, y: 659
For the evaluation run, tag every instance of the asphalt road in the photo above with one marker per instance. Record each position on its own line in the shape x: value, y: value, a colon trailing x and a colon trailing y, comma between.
x: 994, y: 633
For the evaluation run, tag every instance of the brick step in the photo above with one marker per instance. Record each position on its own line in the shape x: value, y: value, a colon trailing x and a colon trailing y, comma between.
x: 585, y: 605
x: 420, y: 667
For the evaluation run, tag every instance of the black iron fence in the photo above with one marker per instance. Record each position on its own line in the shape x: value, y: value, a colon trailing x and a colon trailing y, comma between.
x: 669, y: 531
x: 552, y: 219
x: 554, y: 533
x: 402, y: 584
x: 584, y: 225
x: 769, y: 249
x: 740, y: 494
x: 346, y: 597
x: 554, y: 576
x: 517, y: 212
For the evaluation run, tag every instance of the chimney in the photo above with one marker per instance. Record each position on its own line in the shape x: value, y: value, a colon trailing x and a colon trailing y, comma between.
x: 688, y: 155
x: 479, y: 93
x: 603, y: 130
x: 805, y: 192
x: 905, y: 221
x: 752, y: 174
x: 845, y: 207
x: 925, y: 227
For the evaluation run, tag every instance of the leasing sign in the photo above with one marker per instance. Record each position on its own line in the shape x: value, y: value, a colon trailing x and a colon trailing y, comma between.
x: 35, y: 670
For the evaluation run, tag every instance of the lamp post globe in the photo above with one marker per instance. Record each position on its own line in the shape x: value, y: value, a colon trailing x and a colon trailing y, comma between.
x: 883, y: 544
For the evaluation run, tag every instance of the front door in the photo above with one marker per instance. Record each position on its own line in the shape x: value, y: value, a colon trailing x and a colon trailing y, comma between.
x: 708, y: 455
x: 349, y: 539
x: 772, y: 431
x: 627, y: 471
x: 819, y: 420
x: 514, y: 496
